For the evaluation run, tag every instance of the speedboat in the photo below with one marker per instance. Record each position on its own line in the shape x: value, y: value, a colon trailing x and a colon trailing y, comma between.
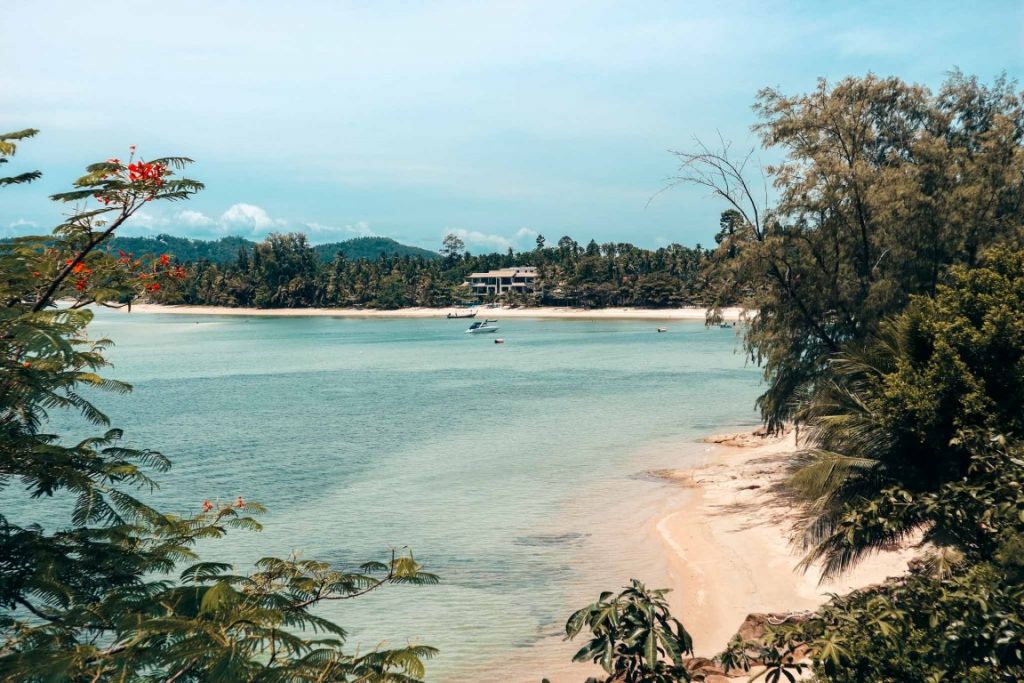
x: 482, y: 326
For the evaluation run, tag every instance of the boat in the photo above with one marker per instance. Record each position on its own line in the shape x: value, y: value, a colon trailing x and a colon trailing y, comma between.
x: 468, y: 314
x: 482, y: 326
x: 662, y: 329
x: 499, y: 340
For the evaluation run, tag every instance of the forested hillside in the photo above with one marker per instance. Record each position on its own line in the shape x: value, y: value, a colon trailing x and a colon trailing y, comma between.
x: 225, y: 249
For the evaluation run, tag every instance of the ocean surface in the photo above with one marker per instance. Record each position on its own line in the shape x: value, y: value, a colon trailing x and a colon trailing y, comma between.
x: 518, y: 472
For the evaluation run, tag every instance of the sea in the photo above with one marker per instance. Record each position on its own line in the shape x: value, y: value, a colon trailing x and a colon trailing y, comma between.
x: 521, y: 473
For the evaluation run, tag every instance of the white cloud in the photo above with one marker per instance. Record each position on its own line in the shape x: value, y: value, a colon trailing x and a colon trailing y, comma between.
x: 194, y: 219
x: 475, y: 238
x: 146, y: 221
x: 359, y: 228
x: 23, y: 223
x: 249, y: 216
x: 494, y: 242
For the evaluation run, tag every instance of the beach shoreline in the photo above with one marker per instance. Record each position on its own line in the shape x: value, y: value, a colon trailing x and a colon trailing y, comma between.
x: 730, y: 542
x: 731, y: 314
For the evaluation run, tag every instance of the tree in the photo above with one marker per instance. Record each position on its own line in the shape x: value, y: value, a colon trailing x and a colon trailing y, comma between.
x: 632, y: 636
x: 884, y: 187
x: 917, y: 432
x: 119, y: 594
x: 452, y: 246
x: 903, y: 423
x: 540, y: 242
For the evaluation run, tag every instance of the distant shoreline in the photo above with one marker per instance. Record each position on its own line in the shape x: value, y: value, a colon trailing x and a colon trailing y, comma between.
x: 731, y: 314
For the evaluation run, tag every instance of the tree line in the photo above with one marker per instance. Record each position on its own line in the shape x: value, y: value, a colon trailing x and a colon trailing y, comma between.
x: 284, y: 271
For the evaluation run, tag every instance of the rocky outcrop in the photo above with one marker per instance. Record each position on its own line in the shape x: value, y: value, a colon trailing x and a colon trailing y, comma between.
x: 700, y: 668
x: 753, y: 439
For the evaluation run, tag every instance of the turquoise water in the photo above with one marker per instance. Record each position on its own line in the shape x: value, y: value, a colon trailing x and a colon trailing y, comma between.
x: 514, y: 471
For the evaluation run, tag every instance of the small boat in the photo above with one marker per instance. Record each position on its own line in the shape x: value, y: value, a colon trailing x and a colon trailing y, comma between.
x: 662, y: 329
x: 499, y: 340
x: 468, y: 314
x: 482, y: 326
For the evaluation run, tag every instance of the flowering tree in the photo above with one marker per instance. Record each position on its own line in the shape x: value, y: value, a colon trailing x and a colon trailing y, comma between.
x: 119, y: 593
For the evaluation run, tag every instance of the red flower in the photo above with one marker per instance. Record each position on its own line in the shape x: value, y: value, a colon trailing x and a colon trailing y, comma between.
x: 26, y: 364
x: 164, y: 259
x: 207, y: 506
x: 153, y: 287
x: 80, y: 285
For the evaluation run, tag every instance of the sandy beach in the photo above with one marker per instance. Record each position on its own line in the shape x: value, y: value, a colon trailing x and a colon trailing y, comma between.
x: 688, y: 313
x: 730, y: 546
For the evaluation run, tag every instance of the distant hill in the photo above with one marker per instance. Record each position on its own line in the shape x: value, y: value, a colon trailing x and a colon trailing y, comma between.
x: 226, y: 248
x: 371, y: 248
x: 183, y: 248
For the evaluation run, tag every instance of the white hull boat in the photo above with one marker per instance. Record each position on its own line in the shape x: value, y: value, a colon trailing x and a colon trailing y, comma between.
x: 482, y: 327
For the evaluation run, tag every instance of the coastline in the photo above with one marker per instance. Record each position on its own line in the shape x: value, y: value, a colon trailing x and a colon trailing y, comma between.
x: 730, y: 543
x: 731, y: 314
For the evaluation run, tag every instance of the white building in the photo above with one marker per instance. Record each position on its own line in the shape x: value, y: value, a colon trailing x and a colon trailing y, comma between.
x: 496, y: 282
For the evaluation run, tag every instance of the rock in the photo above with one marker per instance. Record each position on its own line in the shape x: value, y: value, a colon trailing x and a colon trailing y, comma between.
x: 747, y: 439
x: 754, y: 626
x: 703, y: 669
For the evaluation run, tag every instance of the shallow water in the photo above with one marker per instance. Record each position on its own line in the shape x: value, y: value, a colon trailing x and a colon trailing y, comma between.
x: 514, y: 471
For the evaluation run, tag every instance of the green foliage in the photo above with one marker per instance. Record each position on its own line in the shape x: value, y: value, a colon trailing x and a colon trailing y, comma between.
x: 605, y: 275
x: 452, y: 246
x: 777, y: 656
x: 633, y: 637
x: 8, y: 147
x: 901, y: 425
x: 884, y: 187
x: 117, y: 592
x: 184, y: 249
x: 903, y: 428
x: 371, y: 249
x: 966, y: 627
x: 227, y: 249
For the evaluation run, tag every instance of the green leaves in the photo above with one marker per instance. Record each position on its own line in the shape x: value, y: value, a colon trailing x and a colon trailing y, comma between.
x: 8, y: 149
x: 632, y: 635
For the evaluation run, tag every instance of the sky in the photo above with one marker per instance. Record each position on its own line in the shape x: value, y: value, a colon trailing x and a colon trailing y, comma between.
x: 498, y: 121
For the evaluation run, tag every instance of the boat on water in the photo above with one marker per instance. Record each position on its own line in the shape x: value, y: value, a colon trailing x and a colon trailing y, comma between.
x: 482, y: 326
x: 662, y: 329
x: 465, y: 314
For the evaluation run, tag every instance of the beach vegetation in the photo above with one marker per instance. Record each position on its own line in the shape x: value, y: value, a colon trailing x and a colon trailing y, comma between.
x: 286, y: 271
x: 633, y: 637
x: 883, y: 187
x: 116, y: 590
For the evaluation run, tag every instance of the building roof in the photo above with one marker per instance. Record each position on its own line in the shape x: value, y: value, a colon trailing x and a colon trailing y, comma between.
x: 526, y: 271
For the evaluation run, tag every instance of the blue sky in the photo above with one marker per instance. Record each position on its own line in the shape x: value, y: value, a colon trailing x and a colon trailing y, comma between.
x: 497, y: 120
